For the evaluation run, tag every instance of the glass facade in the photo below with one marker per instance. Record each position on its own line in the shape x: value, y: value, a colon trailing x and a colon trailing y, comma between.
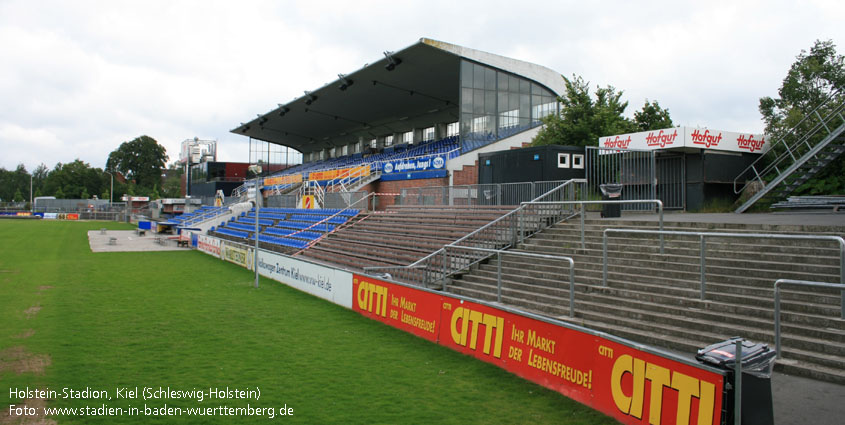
x: 496, y: 105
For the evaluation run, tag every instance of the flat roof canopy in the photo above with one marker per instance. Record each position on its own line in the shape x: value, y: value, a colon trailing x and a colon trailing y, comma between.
x: 412, y: 88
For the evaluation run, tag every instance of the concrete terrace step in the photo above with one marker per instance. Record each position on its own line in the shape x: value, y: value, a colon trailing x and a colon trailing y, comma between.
x: 654, y: 298
x: 387, y: 240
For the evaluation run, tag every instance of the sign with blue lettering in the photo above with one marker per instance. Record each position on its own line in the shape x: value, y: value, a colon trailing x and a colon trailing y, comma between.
x: 415, y: 164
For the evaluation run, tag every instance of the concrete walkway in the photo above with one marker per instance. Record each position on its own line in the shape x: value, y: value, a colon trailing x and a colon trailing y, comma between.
x: 786, y: 219
x: 129, y: 241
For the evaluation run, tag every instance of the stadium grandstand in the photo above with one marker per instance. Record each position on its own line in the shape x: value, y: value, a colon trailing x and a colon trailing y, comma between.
x: 422, y: 113
x: 388, y: 193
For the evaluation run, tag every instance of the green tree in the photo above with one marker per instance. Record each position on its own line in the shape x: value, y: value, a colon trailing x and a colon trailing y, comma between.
x: 18, y: 197
x: 813, y: 77
x: 59, y: 193
x: 582, y: 119
x: 39, y: 175
x: 172, y: 186
x: 84, y: 194
x: 140, y: 159
x: 72, y: 178
x: 652, y: 117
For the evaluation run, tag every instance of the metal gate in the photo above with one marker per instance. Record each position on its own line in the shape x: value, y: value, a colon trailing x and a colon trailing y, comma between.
x: 671, y: 181
x: 634, y: 169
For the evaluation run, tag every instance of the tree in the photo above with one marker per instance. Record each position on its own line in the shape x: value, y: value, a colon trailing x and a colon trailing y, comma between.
x: 140, y: 159
x: 583, y: 120
x: 813, y: 77
x: 172, y: 186
x: 652, y: 117
x: 72, y: 178
x: 59, y: 193
x: 84, y: 194
x: 18, y: 197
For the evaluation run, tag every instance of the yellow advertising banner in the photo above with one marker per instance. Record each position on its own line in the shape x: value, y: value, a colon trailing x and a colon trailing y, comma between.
x: 293, y: 178
x: 361, y: 171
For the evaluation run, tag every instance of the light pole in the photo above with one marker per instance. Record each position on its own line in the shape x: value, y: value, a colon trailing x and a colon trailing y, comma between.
x: 31, y: 207
x: 256, y: 169
x: 111, y: 189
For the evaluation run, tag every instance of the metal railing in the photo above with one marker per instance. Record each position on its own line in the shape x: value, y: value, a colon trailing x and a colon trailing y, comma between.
x: 501, y: 233
x: 703, y: 248
x: 794, y: 143
x: 657, y: 202
x: 455, y: 258
x: 477, y: 194
x: 780, y: 282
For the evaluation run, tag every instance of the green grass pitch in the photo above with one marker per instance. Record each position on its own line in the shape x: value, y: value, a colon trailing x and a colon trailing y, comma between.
x: 73, y: 319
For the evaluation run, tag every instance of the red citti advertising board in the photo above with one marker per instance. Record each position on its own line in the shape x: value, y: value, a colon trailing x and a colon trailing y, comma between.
x: 411, y: 310
x: 633, y: 386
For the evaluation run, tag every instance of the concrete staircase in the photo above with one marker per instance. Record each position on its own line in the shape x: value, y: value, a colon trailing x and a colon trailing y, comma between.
x: 401, y: 235
x: 655, y: 299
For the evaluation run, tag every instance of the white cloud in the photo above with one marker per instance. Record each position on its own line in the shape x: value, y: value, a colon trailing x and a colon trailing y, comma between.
x: 79, y: 78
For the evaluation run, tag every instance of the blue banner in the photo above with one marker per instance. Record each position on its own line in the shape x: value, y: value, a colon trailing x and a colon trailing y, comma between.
x: 415, y: 164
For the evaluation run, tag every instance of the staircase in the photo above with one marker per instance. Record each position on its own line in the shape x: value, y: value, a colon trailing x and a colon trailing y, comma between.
x: 655, y: 299
x: 803, y: 151
x: 401, y: 235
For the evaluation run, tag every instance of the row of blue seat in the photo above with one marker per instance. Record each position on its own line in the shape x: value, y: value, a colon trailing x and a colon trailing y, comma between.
x: 293, y: 243
x: 293, y: 233
x: 348, y: 212
x: 231, y: 232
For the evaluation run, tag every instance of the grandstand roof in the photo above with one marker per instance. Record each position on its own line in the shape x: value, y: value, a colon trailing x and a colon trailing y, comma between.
x: 421, y: 89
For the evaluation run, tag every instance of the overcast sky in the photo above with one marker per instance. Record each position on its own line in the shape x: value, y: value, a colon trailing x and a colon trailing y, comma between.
x: 77, y: 78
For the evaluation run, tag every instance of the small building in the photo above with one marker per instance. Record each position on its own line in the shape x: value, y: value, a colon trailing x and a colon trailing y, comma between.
x: 685, y: 167
x: 532, y: 164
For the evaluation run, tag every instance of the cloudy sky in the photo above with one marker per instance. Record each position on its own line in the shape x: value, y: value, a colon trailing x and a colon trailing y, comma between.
x: 77, y: 78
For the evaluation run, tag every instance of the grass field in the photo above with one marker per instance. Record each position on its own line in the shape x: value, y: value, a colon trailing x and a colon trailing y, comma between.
x: 73, y: 319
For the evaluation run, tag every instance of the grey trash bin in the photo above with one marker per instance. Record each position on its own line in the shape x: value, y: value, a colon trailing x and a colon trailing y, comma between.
x: 611, y: 192
x: 757, y: 362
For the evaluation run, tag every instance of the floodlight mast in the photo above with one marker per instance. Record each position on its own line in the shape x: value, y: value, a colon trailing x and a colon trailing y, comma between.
x: 256, y: 169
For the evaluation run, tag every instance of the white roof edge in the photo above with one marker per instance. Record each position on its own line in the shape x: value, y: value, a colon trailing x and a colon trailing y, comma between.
x: 545, y: 76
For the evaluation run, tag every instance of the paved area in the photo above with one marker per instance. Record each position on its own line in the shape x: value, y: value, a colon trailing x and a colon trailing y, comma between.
x: 129, y: 241
x: 804, y: 218
x: 804, y: 401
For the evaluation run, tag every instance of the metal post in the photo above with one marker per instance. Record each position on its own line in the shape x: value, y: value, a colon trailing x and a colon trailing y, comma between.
x: 604, y: 259
x: 255, y: 260
x: 842, y: 277
x: 257, y: 170
x: 777, y: 318
x: 571, y: 288
x: 583, y: 243
x: 660, y: 207
x: 31, y: 207
x: 738, y: 384
x: 445, y: 289
x: 499, y: 276
x: 703, y: 253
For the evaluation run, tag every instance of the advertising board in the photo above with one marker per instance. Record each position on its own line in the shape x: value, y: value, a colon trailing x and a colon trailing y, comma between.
x: 688, y: 137
x: 209, y: 245
x: 629, y: 384
x: 324, y: 282
x: 414, y: 164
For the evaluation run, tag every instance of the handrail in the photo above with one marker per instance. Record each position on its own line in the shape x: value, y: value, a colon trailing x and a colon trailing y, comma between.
x: 512, y: 215
x: 788, y: 147
x: 499, y: 253
x: 780, y: 282
x: 627, y: 201
x: 703, y: 250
